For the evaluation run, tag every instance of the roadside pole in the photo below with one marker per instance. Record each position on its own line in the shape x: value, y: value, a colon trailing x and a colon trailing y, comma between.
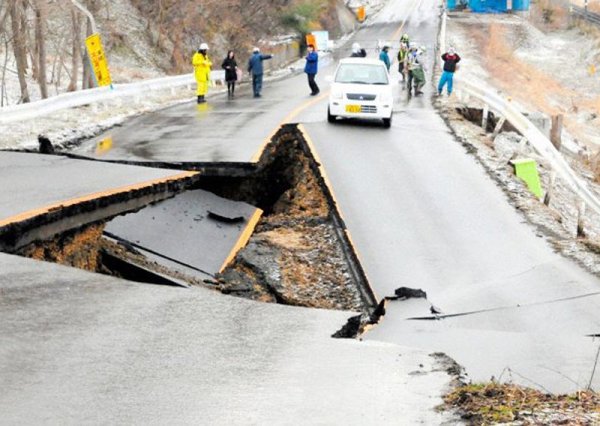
x: 95, y: 51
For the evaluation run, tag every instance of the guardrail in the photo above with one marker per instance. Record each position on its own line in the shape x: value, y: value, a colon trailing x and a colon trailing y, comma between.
x: 583, y: 13
x: 506, y: 109
x: 63, y: 101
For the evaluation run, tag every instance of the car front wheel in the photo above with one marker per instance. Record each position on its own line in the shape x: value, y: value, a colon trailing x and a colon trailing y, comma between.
x: 330, y: 118
x: 387, y: 122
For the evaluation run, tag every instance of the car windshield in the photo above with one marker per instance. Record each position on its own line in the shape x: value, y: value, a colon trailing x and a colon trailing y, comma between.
x: 361, y: 74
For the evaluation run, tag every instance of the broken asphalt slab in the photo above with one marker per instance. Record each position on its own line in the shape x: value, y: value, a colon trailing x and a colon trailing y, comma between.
x: 192, y: 232
x: 80, y: 347
x: 40, y: 190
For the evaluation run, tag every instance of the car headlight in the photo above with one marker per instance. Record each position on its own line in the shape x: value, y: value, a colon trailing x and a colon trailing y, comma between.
x: 387, y: 97
x: 337, y: 94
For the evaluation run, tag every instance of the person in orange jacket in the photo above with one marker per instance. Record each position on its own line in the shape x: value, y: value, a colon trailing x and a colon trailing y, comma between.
x: 202, y: 64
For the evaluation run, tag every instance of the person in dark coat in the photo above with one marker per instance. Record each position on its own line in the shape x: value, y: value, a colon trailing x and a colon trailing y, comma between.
x: 385, y: 57
x: 230, y: 67
x: 357, y: 51
x: 255, y: 67
x: 450, y: 59
x: 311, y: 67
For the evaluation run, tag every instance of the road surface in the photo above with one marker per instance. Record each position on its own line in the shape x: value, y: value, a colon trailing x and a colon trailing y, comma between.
x: 422, y: 213
x: 77, y: 347
x: 80, y: 348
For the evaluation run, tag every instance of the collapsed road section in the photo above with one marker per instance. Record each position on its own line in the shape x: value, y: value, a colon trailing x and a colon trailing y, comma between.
x: 268, y: 231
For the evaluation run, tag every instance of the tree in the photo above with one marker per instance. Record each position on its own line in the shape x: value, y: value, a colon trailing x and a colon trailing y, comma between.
x: 41, y: 14
x: 19, y: 45
x: 75, y: 49
x: 6, y: 42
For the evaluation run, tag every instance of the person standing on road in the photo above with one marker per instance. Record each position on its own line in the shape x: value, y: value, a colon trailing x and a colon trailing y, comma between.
x: 416, y: 70
x: 402, y: 57
x: 384, y: 57
x: 450, y: 59
x: 255, y: 67
x: 202, y: 64
x: 230, y: 67
x: 357, y: 51
x: 410, y: 59
x: 311, y: 67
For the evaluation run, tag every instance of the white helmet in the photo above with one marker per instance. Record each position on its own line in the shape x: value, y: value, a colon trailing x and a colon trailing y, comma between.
x: 256, y: 49
x: 204, y: 46
x: 355, y: 47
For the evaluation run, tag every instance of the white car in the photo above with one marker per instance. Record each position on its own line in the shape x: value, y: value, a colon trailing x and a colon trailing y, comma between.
x: 361, y: 88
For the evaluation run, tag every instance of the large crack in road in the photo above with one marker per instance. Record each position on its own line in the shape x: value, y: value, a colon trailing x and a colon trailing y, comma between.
x: 268, y: 231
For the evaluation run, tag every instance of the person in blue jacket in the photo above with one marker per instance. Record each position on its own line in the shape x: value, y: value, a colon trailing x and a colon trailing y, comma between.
x: 255, y: 67
x: 312, y: 61
x: 384, y: 57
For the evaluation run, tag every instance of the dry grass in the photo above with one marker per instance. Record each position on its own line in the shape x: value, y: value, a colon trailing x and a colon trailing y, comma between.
x: 550, y: 14
x: 528, y: 82
x: 494, y: 403
x: 595, y: 166
x: 594, y: 6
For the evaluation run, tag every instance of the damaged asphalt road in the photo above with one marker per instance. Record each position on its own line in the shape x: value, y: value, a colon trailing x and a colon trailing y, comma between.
x: 422, y: 214
x: 78, y: 346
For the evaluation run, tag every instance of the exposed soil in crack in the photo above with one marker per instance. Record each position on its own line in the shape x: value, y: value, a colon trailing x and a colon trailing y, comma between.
x: 77, y: 248
x: 295, y: 256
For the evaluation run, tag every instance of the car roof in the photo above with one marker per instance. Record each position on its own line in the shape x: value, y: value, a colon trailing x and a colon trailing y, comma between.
x: 364, y: 61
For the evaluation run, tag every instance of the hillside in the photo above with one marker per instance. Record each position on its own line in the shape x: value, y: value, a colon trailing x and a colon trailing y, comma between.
x: 142, y: 39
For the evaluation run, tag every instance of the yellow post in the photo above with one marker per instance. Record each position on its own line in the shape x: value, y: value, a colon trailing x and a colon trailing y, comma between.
x: 98, y: 60
x: 361, y: 14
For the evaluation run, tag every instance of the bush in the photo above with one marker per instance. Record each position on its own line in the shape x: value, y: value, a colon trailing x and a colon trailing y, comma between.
x: 302, y: 17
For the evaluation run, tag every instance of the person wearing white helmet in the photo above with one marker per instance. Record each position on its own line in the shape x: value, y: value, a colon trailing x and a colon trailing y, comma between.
x: 202, y: 64
x: 417, y: 69
x: 255, y: 68
x: 402, y: 61
x: 357, y: 52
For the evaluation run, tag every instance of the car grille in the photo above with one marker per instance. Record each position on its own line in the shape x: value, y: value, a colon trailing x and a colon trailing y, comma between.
x: 360, y: 97
x: 368, y: 109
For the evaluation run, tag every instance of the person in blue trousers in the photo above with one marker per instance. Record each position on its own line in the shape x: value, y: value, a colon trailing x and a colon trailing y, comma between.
x: 385, y: 58
x: 450, y: 59
x: 312, y: 61
x: 255, y: 68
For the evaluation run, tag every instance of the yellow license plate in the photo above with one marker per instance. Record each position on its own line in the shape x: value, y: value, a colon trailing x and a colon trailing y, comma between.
x: 352, y: 108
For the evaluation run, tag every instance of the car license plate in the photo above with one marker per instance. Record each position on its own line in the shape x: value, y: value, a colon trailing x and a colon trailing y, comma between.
x: 352, y: 108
